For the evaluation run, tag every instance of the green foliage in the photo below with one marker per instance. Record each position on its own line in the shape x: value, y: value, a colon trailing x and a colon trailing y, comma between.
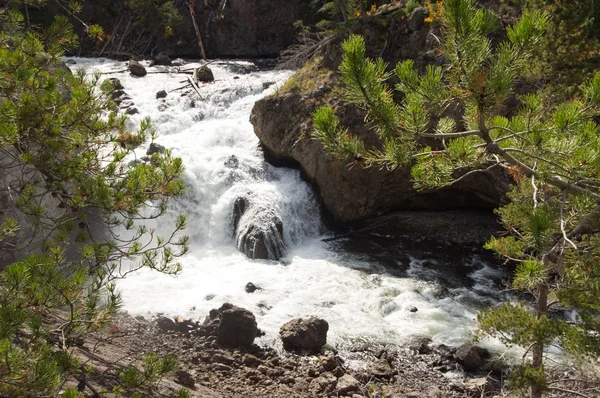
x: 551, y: 152
x: 69, y: 151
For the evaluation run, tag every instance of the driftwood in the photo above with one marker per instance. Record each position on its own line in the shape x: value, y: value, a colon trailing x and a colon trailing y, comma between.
x: 198, y: 35
x: 195, y: 87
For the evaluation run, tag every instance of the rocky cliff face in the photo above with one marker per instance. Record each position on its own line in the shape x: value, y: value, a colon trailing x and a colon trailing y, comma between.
x: 283, y: 124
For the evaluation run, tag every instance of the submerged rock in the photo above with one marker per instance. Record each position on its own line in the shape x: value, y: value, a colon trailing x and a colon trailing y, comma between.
x: 155, y: 148
x: 304, y: 335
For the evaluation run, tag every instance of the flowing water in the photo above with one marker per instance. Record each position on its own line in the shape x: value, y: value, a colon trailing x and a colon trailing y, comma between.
x: 366, y: 294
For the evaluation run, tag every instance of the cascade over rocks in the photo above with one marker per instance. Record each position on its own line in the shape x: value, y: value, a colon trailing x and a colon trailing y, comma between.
x: 258, y: 230
x: 304, y: 335
x: 283, y: 123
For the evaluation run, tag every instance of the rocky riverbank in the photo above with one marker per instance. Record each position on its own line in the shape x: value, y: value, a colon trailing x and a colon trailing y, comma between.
x: 212, y: 367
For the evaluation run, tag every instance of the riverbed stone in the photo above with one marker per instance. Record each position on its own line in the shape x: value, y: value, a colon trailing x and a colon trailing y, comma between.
x: 347, y: 384
x: 304, y: 335
x: 161, y: 94
x: 472, y: 357
x: 237, y: 326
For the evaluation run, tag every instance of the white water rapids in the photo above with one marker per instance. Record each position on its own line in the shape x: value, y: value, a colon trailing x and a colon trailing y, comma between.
x: 363, y: 301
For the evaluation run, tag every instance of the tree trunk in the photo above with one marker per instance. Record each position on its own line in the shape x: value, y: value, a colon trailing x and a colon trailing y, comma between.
x: 538, y: 349
x: 198, y: 35
x: 344, y: 11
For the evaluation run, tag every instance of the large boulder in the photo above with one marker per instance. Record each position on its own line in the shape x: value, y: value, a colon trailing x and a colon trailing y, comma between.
x: 237, y: 326
x: 258, y: 230
x: 304, y: 335
x: 137, y: 69
x: 283, y: 123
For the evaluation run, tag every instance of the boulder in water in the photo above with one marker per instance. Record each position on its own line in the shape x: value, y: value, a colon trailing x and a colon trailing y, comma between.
x: 161, y: 94
x: 115, y: 84
x: 304, y: 335
x: 258, y: 230
x: 155, y: 148
x: 251, y: 287
x: 203, y: 74
x: 162, y: 59
x: 137, y: 69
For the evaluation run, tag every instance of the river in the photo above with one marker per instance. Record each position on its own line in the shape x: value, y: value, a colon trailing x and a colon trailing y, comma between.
x: 365, y: 298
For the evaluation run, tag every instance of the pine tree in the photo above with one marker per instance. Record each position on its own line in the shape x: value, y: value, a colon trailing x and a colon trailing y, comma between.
x: 552, y: 153
x: 69, y: 152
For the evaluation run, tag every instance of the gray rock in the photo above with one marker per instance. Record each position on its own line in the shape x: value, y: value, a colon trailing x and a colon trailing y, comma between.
x: 250, y: 360
x: 472, y: 357
x: 304, y: 335
x: 203, y: 74
x: 155, y: 148
x: 251, y: 287
x: 258, y: 230
x: 137, y: 69
x: 162, y: 59
x: 380, y: 369
x: 417, y: 19
x: 347, y: 384
x: 478, y: 385
x: 222, y: 358
x: 115, y: 83
x: 132, y: 111
x: 185, y: 379
x: 166, y: 324
x: 237, y: 326
x: 161, y: 94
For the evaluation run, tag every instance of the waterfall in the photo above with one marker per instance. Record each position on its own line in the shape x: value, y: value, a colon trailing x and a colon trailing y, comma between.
x: 235, y: 199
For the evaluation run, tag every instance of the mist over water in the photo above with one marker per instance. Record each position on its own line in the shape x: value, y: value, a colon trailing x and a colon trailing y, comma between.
x: 365, y: 298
